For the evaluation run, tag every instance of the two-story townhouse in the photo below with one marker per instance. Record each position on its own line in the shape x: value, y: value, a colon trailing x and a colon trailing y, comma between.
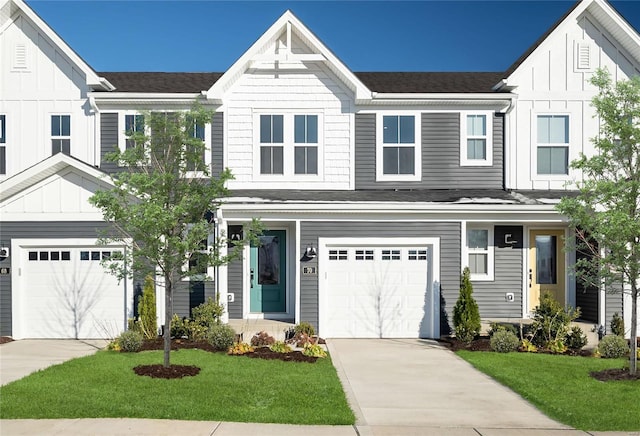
x: 375, y: 189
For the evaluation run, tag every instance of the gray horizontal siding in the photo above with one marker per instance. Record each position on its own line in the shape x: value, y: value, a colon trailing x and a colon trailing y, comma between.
x: 508, y: 264
x: 440, y: 156
x: 36, y: 230
x: 108, y: 140
x: 449, y: 234
x: 613, y: 303
x: 234, y: 280
x: 217, y: 141
x: 182, y: 296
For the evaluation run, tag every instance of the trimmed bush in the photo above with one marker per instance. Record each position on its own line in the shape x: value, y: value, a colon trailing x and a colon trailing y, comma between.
x: 551, y: 321
x: 576, y: 339
x: 466, y: 315
x: 499, y: 326
x: 306, y: 328
x: 221, y: 336
x: 130, y: 341
x: 504, y: 341
x: 208, y: 313
x: 613, y: 347
x: 179, y: 327
x: 617, y: 325
x: 262, y: 339
x: 147, y: 319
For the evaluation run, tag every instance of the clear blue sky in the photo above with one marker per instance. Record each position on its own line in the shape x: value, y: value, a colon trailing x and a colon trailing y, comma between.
x: 199, y: 36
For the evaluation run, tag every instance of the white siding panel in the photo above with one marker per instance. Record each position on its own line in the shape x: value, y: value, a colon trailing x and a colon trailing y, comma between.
x: 309, y: 89
x: 48, y: 84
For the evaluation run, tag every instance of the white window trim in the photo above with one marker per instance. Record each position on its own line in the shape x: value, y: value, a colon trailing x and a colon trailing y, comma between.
x: 207, y: 153
x: 488, y: 161
x: 417, y: 176
x: 210, y: 269
x: 50, y: 128
x: 490, y: 276
x: 535, y: 145
x: 122, y: 134
x: 288, y: 145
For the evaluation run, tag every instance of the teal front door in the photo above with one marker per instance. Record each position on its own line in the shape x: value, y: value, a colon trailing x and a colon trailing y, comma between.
x: 268, y: 273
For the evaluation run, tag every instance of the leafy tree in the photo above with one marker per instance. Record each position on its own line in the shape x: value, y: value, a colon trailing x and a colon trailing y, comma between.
x: 606, y: 210
x: 162, y: 204
x: 466, y: 315
x: 147, y: 310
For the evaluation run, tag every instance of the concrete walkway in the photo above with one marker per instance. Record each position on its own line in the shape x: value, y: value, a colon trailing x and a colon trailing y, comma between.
x: 396, y: 387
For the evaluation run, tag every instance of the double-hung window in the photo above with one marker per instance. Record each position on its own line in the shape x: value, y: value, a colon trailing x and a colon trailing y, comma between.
x: 476, y: 139
x: 480, y: 253
x: 60, y: 134
x: 398, y: 150
x: 3, y: 141
x: 197, y: 132
x: 133, y: 123
x: 553, y: 145
x: 306, y: 144
x: 271, y: 144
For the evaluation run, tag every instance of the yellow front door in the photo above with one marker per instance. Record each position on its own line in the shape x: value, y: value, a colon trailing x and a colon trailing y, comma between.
x: 546, y: 265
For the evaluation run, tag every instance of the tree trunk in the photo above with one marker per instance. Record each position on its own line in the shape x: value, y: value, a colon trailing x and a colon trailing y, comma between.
x: 168, y: 309
x: 633, y: 356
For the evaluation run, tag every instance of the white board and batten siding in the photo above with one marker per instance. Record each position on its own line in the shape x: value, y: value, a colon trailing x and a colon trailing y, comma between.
x: 554, y: 81
x: 37, y: 80
x: 291, y: 89
x: 379, y: 288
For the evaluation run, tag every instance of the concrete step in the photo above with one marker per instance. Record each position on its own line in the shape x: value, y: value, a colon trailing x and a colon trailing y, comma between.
x: 249, y: 327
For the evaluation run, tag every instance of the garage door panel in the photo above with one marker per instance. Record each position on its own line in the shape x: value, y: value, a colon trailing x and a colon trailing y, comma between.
x: 70, y: 298
x: 377, y: 292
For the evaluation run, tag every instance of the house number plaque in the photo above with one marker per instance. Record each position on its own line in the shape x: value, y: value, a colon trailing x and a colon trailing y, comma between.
x: 310, y: 270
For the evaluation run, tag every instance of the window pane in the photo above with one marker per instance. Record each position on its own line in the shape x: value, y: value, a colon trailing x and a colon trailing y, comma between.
x: 553, y: 129
x: 139, y: 123
x: 407, y: 130
x: 199, y: 131
x: 312, y: 129
x: 390, y: 130
x: 476, y: 125
x: 265, y: 129
x: 478, y: 263
x: 265, y: 160
x: 406, y: 157
x: 55, y: 125
x: 553, y: 160
x: 269, y: 260
x: 3, y: 160
x: 277, y: 129
x: 300, y: 160
x: 277, y: 161
x: 390, y: 160
x: 478, y: 239
x: 299, y: 129
x: 477, y: 149
x: 2, y: 129
x: 66, y: 125
x: 546, y: 260
x: 312, y: 160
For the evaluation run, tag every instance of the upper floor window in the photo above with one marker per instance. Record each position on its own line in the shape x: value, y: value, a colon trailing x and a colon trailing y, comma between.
x: 480, y: 253
x: 197, y: 132
x: 271, y: 156
x: 133, y: 123
x: 306, y: 132
x: 61, y: 134
x: 289, y: 144
x: 553, y: 145
x: 398, y: 150
x: 3, y: 140
x: 475, y: 139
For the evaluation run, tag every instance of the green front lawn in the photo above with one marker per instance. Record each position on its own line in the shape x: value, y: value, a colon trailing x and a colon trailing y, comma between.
x: 560, y: 386
x: 228, y: 388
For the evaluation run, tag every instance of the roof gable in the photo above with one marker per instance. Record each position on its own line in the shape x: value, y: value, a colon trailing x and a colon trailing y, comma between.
x: 286, y: 27
x: 602, y: 11
x: 11, y: 9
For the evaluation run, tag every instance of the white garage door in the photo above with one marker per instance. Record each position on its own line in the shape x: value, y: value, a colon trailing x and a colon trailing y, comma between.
x: 379, y: 289
x: 66, y: 293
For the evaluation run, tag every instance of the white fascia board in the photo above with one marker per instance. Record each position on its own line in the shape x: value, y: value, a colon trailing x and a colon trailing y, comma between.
x: 617, y: 26
x: 498, y: 101
x: 287, y: 22
x: 92, y: 78
x: 44, y: 169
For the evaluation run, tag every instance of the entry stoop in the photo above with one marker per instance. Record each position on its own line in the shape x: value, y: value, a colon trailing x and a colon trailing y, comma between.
x: 249, y: 327
x: 591, y: 331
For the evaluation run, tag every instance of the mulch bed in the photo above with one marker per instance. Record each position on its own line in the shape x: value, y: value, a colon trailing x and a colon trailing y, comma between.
x: 614, y: 374
x: 179, y: 371
x: 478, y: 344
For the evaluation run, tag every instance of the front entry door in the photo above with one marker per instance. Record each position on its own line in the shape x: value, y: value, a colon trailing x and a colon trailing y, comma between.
x: 546, y: 265
x: 268, y: 273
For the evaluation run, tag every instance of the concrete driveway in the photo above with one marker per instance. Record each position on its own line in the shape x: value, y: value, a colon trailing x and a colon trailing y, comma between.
x: 21, y: 358
x: 415, y: 383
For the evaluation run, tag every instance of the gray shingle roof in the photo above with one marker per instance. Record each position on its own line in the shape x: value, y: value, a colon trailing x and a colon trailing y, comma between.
x: 378, y: 82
